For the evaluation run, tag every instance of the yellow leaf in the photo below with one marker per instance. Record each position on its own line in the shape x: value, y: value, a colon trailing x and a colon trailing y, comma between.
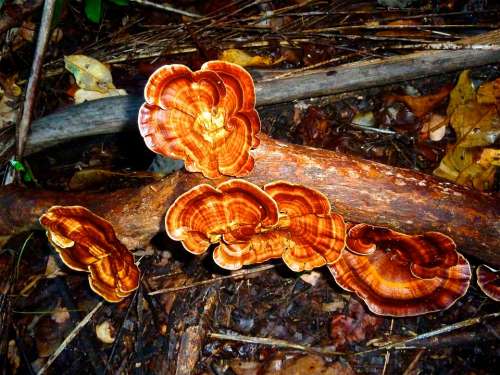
x: 455, y: 161
x: 237, y: 56
x: 489, y: 93
x: 462, y: 93
x: 490, y: 156
x: 475, y: 124
x: 90, y: 74
x: 477, y: 176
x: 82, y: 95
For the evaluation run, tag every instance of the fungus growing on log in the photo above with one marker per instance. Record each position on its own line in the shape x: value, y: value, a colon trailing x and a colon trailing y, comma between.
x: 253, y: 225
x: 206, y: 118
x: 313, y: 235
x: 235, y: 210
x: 488, y: 280
x: 402, y: 275
x: 87, y: 242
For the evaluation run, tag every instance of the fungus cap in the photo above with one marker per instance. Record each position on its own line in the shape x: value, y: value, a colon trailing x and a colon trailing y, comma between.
x: 488, y: 280
x: 402, y: 275
x: 206, y: 118
x: 234, y: 210
x: 315, y: 235
x: 87, y: 242
x: 307, y: 235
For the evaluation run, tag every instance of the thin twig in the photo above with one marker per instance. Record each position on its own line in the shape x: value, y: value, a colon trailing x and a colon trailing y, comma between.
x: 313, y: 66
x: 387, y: 355
x: 407, y: 344
x: 29, y: 100
x: 215, y: 279
x: 118, y: 338
x: 70, y: 338
x: 166, y: 7
x: 398, y: 27
x: 413, y: 364
x: 275, y: 342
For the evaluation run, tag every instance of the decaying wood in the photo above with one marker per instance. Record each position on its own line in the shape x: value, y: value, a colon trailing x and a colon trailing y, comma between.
x: 362, y: 191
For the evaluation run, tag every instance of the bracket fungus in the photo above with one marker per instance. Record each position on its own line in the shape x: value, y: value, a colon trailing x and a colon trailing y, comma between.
x: 233, y: 211
x: 87, y: 242
x: 206, y: 118
x: 313, y: 234
x: 252, y: 225
x: 402, y: 275
x: 488, y: 280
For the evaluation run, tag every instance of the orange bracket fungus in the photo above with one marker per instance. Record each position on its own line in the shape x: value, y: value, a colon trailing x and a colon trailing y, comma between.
x: 252, y: 225
x: 233, y: 211
x: 206, y: 118
x: 87, y: 242
x: 402, y: 275
x: 313, y: 235
x: 488, y: 280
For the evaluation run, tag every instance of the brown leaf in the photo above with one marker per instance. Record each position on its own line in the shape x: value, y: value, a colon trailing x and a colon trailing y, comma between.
x: 421, y: 105
x: 242, y: 58
x: 355, y: 326
x: 489, y: 93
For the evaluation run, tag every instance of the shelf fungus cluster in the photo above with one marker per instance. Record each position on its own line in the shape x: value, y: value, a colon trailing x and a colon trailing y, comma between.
x: 252, y: 225
x: 87, y: 242
x: 206, y: 118
x: 402, y: 275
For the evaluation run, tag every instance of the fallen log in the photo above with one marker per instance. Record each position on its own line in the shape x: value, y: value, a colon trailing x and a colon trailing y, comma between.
x: 116, y: 114
x: 362, y: 191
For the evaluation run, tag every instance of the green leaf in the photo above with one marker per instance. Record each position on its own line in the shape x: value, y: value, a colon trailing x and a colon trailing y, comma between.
x: 25, y: 172
x: 18, y: 166
x: 57, y: 12
x: 93, y: 10
x: 120, y: 2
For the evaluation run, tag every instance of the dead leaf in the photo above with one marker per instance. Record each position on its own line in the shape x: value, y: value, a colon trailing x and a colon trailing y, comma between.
x: 489, y: 156
x: 13, y: 357
x: 462, y: 93
x: 477, y: 176
x: 311, y: 278
x: 489, y: 93
x: 8, y: 109
x: 237, y: 56
x: 52, y: 269
x: 456, y: 160
x: 60, y: 315
x: 90, y: 74
x: 355, y: 326
x: 82, y: 95
x: 475, y: 124
x: 476, y: 121
x: 366, y: 119
x: 421, y: 105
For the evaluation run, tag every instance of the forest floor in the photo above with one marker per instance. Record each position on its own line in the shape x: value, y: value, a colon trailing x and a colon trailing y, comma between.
x: 262, y: 320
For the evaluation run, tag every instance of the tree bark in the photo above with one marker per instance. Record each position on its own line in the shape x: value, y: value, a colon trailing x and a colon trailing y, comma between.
x: 362, y: 191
